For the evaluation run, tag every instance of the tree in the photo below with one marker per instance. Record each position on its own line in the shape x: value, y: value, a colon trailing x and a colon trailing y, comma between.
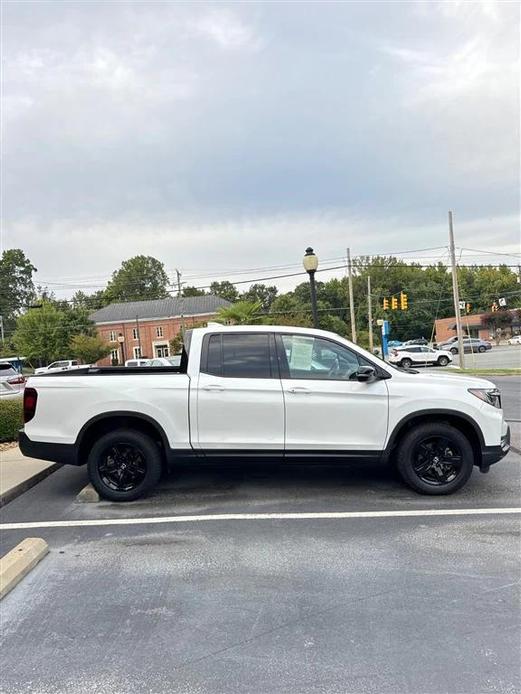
x: 193, y: 291
x: 226, y: 290
x: 139, y: 278
x: 90, y: 348
x: 261, y: 292
x: 41, y: 335
x: 241, y: 313
x: 16, y: 285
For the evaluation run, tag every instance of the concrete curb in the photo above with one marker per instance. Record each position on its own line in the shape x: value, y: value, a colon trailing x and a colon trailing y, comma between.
x: 26, y: 484
x: 88, y: 495
x: 19, y: 561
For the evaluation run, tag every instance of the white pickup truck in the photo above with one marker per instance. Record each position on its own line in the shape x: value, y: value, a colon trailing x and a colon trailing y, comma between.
x: 263, y: 393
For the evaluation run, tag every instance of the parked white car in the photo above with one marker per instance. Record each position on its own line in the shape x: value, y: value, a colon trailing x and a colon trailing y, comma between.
x: 63, y: 365
x: 166, y: 361
x: 138, y: 362
x: 264, y: 393
x: 419, y: 355
x: 12, y: 383
x: 516, y: 340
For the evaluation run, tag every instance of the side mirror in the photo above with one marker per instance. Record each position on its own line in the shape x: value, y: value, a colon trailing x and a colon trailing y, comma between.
x: 365, y: 373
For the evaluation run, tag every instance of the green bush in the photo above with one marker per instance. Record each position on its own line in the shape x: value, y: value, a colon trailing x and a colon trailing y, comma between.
x: 11, y: 419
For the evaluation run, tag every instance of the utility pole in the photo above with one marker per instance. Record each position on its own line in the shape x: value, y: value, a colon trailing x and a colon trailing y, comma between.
x: 179, y: 283
x: 370, y: 313
x: 455, y: 293
x: 351, y: 306
x: 2, y: 328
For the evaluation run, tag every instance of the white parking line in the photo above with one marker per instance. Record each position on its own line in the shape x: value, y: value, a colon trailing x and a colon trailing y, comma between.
x: 215, y: 518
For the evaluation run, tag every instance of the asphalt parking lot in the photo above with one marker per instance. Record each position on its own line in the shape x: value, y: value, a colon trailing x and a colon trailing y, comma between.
x: 132, y: 600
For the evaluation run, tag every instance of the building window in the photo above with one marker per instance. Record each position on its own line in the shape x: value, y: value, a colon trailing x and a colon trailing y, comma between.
x: 114, y: 356
x: 159, y: 331
x: 112, y: 336
x: 135, y: 333
x: 137, y: 352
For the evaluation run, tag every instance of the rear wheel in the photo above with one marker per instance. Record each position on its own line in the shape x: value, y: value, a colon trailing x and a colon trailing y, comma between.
x: 435, y: 459
x: 123, y: 465
x: 443, y: 361
x: 406, y: 363
x: 454, y: 350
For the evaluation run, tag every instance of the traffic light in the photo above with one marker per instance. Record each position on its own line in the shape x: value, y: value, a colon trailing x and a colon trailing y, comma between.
x: 394, y: 303
x: 468, y: 307
x: 403, y: 301
x: 385, y: 304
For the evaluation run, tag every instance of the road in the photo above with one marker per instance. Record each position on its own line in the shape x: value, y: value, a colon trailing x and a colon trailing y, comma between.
x: 502, y: 357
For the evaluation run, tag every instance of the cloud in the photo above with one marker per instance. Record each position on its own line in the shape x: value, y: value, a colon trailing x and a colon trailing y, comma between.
x: 225, y: 29
x: 205, y: 132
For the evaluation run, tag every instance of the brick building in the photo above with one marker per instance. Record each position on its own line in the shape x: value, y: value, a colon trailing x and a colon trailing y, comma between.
x: 472, y: 326
x: 148, y: 326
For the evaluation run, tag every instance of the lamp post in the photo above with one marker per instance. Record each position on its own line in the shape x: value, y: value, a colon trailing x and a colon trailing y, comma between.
x: 310, y: 263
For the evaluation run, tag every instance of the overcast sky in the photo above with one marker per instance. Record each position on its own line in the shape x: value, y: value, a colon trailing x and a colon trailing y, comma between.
x: 220, y: 136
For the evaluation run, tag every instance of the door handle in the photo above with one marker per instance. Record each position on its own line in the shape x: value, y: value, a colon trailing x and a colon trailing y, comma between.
x: 298, y: 390
x: 214, y: 387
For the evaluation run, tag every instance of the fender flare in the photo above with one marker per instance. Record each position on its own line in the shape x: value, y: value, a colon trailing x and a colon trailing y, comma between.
x: 430, y: 412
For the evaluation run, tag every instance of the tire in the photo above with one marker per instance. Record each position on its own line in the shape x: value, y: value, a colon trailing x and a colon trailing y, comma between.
x: 454, y: 350
x: 406, y: 363
x: 416, y: 459
x: 481, y: 348
x: 124, y: 465
x: 443, y: 361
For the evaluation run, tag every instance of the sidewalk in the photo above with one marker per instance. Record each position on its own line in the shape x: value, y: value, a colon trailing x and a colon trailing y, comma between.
x: 18, y: 474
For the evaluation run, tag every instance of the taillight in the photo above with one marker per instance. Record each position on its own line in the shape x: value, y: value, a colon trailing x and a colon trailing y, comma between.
x: 16, y: 380
x: 30, y: 400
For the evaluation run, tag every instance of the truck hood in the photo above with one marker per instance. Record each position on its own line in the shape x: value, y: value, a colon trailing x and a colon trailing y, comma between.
x: 448, y: 379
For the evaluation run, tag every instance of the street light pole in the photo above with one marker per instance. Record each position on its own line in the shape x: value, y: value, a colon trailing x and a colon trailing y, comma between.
x: 310, y: 263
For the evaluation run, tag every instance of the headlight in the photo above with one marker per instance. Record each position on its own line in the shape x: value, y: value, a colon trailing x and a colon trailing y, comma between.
x: 492, y: 396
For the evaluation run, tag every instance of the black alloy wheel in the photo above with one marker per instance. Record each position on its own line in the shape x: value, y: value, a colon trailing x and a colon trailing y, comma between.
x: 437, y: 460
x: 122, y: 467
x: 481, y: 348
x: 434, y: 458
x: 124, y: 464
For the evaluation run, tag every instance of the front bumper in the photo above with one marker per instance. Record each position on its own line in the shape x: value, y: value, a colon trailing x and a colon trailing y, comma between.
x: 493, y: 454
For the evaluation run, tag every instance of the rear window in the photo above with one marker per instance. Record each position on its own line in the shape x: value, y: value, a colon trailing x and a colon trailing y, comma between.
x: 7, y: 370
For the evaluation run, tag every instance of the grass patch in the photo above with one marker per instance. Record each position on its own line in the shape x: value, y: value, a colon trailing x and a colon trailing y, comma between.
x: 11, y: 419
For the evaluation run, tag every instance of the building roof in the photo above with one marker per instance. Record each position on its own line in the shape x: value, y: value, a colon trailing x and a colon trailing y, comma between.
x: 159, y: 308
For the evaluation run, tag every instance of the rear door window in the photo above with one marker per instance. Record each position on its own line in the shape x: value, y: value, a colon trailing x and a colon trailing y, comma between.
x: 240, y: 355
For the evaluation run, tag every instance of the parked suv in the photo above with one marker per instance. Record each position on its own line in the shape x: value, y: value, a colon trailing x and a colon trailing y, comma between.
x: 419, y: 355
x: 12, y: 383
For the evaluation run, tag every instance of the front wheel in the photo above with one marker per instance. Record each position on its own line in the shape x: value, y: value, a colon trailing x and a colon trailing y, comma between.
x: 123, y: 465
x: 443, y: 361
x: 406, y: 363
x: 481, y: 348
x: 435, y: 458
